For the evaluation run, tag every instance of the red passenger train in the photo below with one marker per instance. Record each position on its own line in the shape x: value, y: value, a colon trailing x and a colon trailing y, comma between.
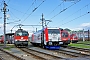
x: 21, y: 38
x: 53, y: 38
x: 2, y: 39
x: 74, y: 38
x: 8, y: 38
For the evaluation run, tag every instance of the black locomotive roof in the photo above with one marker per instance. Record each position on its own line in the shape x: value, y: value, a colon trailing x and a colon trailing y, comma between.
x: 20, y: 30
x: 10, y: 34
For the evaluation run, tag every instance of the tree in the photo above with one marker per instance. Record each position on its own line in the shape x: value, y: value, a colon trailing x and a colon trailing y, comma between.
x: 67, y: 29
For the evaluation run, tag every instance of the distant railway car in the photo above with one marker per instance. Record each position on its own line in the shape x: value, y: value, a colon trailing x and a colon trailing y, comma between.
x: 21, y: 38
x: 53, y: 38
x: 73, y: 38
x: 1, y: 39
x: 8, y: 38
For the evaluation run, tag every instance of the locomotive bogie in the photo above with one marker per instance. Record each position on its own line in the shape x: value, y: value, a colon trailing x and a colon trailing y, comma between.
x: 21, y: 43
x: 54, y: 43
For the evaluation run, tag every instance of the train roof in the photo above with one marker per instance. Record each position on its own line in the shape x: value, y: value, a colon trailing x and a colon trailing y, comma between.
x: 49, y: 28
x: 55, y: 28
x: 10, y: 34
x: 19, y: 30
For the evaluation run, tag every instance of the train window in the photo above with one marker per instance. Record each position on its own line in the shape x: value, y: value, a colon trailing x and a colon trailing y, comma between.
x: 75, y: 36
x: 22, y: 34
x: 25, y: 33
x: 64, y: 34
x: 51, y: 31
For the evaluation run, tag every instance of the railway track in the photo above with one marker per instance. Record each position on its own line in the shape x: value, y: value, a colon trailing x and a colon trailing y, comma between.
x: 57, y: 54
x: 70, y: 53
x: 79, y: 49
x: 37, y: 53
x: 41, y: 55
x: 4, y: 55
x: 76, y: 51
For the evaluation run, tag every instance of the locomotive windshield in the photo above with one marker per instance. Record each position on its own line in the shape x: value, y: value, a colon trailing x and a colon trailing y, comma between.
x: 53, y: 31
x: 22, y: 33
x: 64, y: 34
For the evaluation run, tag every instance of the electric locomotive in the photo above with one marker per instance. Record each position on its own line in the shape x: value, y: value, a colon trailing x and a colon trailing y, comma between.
x: 53, y: 38
x: 21, y: 37
x: 73, y: 38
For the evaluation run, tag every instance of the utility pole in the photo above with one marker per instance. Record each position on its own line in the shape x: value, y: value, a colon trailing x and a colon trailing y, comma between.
x: 42, y: 21
x: 83, y: 36
x: 4, y: 10
x: 42, y: 35
x: 88, y: 35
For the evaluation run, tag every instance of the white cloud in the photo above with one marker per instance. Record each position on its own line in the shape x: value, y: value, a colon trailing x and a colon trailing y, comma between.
x: 84, y: 26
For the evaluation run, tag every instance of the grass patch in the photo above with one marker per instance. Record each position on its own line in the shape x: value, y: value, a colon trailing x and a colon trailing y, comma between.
x: 9, y: 46
x: 84, y: 42
x: 80, y: 45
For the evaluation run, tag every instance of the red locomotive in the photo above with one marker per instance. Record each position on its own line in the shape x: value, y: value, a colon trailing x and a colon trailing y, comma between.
x: 73, y: 38
x: 53, y: 38
x: 21, y: 38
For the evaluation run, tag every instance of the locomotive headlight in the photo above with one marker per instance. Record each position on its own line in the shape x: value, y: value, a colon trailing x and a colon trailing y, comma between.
x: 50, y: 39
x: 50, y: 43
x: 60, y: 42
x: 15, y: 40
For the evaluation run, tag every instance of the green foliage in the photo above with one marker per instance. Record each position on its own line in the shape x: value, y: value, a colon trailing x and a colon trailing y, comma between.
x: 8, y: 47
x: 67, y: 29
x: 81, y: 44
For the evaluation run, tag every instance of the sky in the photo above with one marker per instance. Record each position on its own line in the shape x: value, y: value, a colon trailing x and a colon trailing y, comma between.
x: 72, y: 14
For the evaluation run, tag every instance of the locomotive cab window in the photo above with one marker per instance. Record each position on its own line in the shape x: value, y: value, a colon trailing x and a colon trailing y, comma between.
x: 64, y: 34
x: 22, y: 33
x: 55, y: 31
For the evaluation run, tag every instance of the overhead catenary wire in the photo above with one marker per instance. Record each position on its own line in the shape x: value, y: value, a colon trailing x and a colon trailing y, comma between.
x: 14, y: 15
x: 8, y: 1
x: 55, y: 8
x: 34, y: 10
x: 17, y: 10
x: 28, y: 9
x: 76, y: 18
x: 76, y: 12
x: 65, y: 9
x: 14, y: 21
